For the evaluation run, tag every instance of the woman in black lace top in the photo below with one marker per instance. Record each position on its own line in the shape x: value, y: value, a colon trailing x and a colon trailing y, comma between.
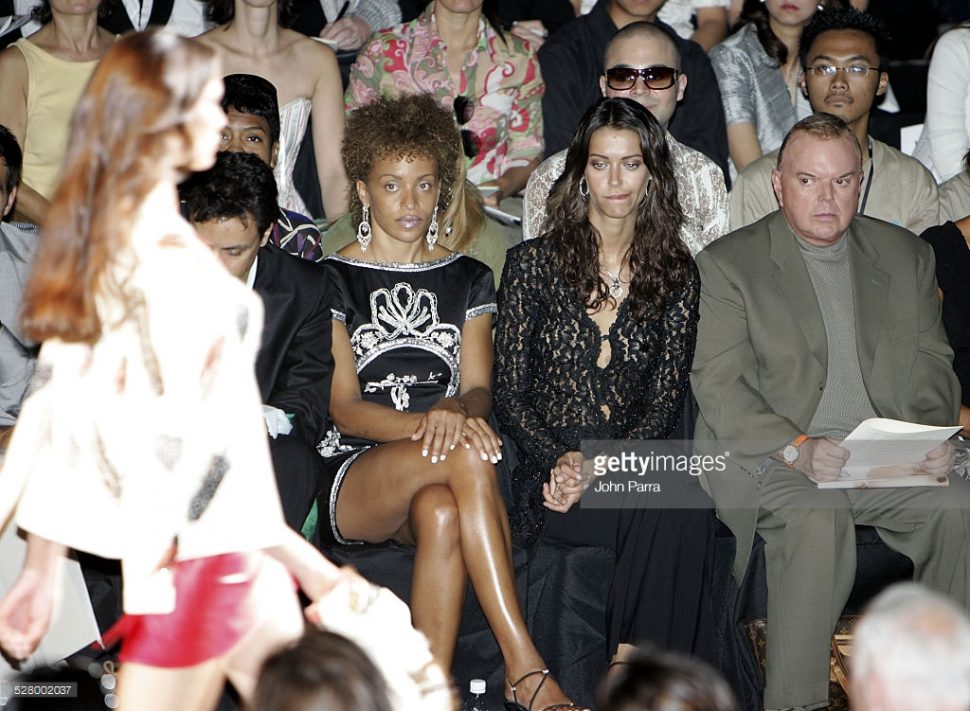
x: 595, y: 335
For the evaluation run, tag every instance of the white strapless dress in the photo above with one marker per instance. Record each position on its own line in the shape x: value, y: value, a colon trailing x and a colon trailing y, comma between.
x: 294, y: 118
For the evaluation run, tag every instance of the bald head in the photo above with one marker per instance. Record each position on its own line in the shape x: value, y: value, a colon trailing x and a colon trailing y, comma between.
x: 911, y: 653
x: 639, y: 46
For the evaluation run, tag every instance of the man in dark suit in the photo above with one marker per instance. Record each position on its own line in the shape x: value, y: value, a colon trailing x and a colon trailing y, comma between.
x: 812, y: 320
x: 232, y: 207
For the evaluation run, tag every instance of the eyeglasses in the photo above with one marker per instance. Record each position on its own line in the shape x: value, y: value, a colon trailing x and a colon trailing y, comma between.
x: 657, y: 78
x: 464, y: 109
x: 853, y: 71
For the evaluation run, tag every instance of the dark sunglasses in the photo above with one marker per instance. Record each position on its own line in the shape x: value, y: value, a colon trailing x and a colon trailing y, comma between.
x: 470, y: 143
x: 657, y: 78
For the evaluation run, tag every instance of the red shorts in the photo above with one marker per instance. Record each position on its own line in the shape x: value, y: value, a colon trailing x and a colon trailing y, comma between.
x: 210, y: 615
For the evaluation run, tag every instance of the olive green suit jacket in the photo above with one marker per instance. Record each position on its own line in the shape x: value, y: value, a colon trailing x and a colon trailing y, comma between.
x: 761, y: 359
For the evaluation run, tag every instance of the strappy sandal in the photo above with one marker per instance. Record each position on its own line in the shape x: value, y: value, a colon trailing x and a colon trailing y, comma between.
x: 514, y: 704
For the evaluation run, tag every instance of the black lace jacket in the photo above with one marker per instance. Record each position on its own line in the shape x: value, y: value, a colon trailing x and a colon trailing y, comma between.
x: 549, y: 392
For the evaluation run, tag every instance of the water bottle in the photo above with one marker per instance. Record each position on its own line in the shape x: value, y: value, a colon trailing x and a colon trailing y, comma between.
x: 476, y: 702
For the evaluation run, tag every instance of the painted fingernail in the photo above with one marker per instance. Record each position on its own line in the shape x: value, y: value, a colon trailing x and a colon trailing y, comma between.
x: 484, y: 457
x: 443, y: 457
x: 434, y: 459
x: 499, y: 455
x: 467, y: 446
x: 424, y: 452
x: 452, y: 446
x: 494, y: 460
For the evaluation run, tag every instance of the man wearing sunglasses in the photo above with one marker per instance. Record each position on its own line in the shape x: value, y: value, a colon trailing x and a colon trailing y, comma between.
x: 843, y: 57
x: 572, y: 63
x: 643, y: 64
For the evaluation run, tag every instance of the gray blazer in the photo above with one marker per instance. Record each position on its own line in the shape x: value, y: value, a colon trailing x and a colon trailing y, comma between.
x: 761, y: 359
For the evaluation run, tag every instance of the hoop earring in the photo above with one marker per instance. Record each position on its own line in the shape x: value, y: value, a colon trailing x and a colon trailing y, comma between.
x: 363, y: 230
x: 432, y: 236
x: 583, y: 187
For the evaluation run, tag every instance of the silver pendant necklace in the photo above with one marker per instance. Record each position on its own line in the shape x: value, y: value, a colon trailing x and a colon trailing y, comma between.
x: 615, y: 288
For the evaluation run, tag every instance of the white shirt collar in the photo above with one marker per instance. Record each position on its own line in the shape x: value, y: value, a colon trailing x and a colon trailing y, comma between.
x: 251, y: 277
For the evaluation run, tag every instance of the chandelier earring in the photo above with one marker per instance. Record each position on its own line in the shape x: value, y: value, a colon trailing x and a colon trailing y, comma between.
x: 432, y: 236
x: 363, y: 230
x: 583, y: 187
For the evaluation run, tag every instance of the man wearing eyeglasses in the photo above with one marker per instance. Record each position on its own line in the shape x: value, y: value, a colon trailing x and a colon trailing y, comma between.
x: 572, y: 62
x: 843, y: 56
x: 643, y: 64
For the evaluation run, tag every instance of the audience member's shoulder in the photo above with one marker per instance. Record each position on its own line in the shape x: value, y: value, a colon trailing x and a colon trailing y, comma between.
x: 290, y: 263
x: 515, y: 46
x: 747, y: 243
x: 691, y: 53
x: 475, y: 268
x: 730, y: 45
x: 573, y: 34
x: 887, y: 237
x: 688, y: 160
x: 551, y: 168
x: 894, y: 159
x: 758, y: 169
x: 531, y: 252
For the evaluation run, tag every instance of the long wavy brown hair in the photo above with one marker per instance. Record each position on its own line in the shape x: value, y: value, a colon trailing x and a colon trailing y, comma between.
x: 130, y: 119
x: 658, y: 259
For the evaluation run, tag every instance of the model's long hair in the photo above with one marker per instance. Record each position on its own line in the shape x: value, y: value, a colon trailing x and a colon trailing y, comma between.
x: 130, y: 120
x: 756, y: 13
x: 658, y: 259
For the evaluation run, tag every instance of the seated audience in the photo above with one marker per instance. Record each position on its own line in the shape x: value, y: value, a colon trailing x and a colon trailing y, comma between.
x: 757, y: 69
x: 320, y: 671
x: 17, y: 246
x: 253, y: 39
x: 489, y: 80
x: 643, y: 64
x: 411, y: 456
x: 843, y: 53
x: 232, y: 207
x: 573, y: 62
x: 253, y: 126
x: 812, y: 320
x: 41, y: 80
x: 348, y: 25
x: 911, y: 652
x: 704, y: 21
x: 946, y: 128
x: 594, y: 339
x: 658, y: 681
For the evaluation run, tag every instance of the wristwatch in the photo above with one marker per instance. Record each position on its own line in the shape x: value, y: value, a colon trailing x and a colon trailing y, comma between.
x: 790, y: 452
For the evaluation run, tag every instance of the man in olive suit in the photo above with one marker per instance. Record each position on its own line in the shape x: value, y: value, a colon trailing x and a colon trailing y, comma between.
x: 812, y: 320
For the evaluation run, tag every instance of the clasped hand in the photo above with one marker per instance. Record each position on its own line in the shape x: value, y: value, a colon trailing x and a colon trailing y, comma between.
x: 447, y: 425
x: 567, y: 483
x: 823, y: 459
